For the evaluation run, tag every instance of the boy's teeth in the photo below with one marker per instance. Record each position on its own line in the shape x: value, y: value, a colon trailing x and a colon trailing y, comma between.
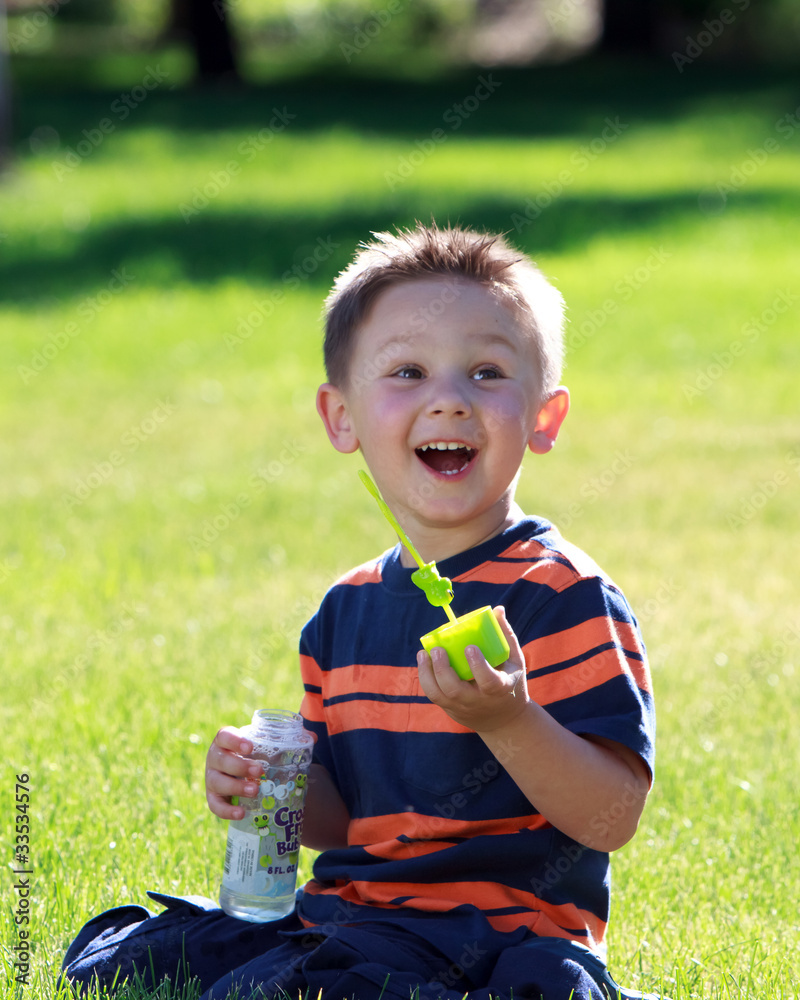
x: 446, y: 457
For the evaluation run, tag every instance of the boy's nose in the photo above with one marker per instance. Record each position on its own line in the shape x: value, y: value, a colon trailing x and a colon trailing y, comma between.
x: 448, y: 397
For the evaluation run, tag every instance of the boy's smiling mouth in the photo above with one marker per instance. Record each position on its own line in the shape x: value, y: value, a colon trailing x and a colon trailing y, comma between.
x: 448, y: 458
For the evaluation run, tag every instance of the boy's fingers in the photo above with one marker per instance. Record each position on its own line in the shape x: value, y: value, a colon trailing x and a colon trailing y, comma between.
x: 515, y: 655
x: 434, y: 668
x: 230, y: 763
x: 229, y: 774
x: 438, y: 679
x: 224, y: 754
x: 508, y: 679
x: 231, y: 738
x: 447, y: 680
x: 427, y: 680
x: 222, y: 807
x: 220, y: 788
x: 486, y: 677
x: 218, y: 783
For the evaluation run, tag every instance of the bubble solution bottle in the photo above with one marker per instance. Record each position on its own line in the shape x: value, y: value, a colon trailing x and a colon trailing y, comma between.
x: 260, y: 873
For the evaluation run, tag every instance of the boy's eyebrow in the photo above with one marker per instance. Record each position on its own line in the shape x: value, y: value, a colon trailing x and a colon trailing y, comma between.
x: 398, y: 341
x: 499, y: 338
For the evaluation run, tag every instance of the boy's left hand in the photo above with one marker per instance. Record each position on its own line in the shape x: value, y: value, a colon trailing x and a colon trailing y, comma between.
x: 493, y: 699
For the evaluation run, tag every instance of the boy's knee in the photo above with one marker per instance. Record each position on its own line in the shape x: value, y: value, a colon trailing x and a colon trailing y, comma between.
x: 96, y: 971
x: 93, y: 976
x: 103, y: 953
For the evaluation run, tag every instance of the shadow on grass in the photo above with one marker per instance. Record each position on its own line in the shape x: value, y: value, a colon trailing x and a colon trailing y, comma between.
x: 570, y: 99
x: 261, y: 246
x: 542, y: 101
x: 268, y: 248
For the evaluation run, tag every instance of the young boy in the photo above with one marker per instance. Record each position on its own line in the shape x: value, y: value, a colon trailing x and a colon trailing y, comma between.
x: 465, y: 826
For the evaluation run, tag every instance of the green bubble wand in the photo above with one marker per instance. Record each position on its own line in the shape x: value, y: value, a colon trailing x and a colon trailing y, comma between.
x: 438, y: 589
x: 477, y: 628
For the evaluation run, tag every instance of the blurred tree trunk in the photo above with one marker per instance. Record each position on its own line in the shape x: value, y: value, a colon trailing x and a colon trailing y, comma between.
x: 630, y: 26
x: 205, y: 24
x: 5, y: 92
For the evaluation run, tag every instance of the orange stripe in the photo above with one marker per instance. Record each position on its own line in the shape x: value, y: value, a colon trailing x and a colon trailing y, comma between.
x: 446, y: 895
x: 346, y: 716
x: 348, y: 893
x: 571, y: 642
x: 386, y: 682
x: 577, y: 680
x: 371, y: 678
x: 548, y: 572
x: 546, y: 918
x: 544, y: 926
x: 366, y: 573
x: 629, y: 639
x: 380, y: 712
x: 547, y: 566
x: 311, y: 708
x: 310, y: 670
x: 581, y: 677
x: 401, y: 850
x: 377, y: 833
x: 311, y: 705
x: 394, y: 717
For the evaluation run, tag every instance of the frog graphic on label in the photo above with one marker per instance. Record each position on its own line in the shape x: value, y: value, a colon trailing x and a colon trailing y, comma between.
x: 261, y: 823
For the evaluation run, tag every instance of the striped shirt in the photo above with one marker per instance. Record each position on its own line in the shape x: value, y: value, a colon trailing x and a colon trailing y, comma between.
x: 436, y: 821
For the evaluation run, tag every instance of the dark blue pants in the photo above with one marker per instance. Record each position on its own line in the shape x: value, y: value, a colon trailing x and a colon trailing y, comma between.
x: 193, y: 939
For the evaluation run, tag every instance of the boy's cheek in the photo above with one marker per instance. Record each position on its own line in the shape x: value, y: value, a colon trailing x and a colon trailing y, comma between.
x: 502, y: 417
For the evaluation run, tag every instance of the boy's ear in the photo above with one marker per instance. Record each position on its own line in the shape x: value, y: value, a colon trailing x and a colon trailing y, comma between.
x: 548, y: 421
x: 332, y: 407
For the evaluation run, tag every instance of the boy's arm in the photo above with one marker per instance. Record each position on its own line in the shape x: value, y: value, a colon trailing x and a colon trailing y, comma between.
x: 589, y: 788
x: 326, y: 816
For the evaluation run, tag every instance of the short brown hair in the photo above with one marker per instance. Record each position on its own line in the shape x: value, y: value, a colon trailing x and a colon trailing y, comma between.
x: 428, y: 251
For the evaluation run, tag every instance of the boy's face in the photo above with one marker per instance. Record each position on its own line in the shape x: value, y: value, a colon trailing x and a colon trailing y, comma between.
x: 443, y: 399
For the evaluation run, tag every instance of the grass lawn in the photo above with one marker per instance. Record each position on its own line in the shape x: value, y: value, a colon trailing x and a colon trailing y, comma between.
x: 172, y: 511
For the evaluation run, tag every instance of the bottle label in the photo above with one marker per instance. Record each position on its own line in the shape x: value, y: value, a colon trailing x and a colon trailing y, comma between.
x: 261, y: 857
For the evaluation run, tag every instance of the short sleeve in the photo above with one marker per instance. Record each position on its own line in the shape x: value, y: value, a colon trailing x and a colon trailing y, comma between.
x: 587, y: 665
x: 311, y: 707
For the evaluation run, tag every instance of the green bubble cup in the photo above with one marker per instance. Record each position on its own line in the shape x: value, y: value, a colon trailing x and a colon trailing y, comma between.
x: 478, y: 628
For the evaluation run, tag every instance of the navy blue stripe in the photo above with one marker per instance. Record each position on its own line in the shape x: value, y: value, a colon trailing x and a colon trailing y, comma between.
x: 406, y: 699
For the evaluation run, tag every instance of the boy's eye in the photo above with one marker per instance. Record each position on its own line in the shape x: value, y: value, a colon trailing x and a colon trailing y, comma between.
x: 408, y: 371
x: 487, y: 372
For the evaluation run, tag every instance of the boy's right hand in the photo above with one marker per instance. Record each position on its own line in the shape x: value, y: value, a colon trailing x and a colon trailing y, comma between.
x: 229, y: 773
